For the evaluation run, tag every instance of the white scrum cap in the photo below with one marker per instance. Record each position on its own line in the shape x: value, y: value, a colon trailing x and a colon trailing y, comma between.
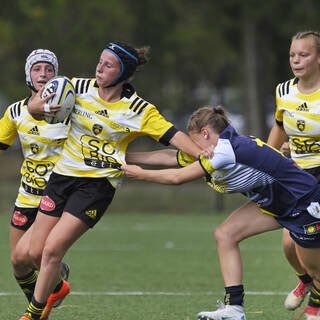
x: 36, y: 56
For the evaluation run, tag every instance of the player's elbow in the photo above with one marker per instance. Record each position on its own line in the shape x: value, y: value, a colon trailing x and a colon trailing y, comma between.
x: 176, y: 178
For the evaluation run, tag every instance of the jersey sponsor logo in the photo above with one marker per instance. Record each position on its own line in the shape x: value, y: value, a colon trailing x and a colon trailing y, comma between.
x: 34, y: 148
x: 83, y: 113
x: 47, y: 204
x: 103, y: 113
x: 303, y: 107
x: 314, y: 209
x: 19, y: 219
x: 91, y: 213
x: 97, y: 128
x: 301, y: 125
x: 34, y: 131
x: 313, y: 228
x: 301, y: 146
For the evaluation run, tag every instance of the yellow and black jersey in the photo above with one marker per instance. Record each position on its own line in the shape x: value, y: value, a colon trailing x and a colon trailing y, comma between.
x: 300, y: 116
x: 41, y: 144
x: 101, y: 131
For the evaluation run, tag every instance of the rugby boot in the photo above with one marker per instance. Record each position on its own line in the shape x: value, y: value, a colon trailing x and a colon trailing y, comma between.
x: 297, y: 295
x: 65, y: 270
x: 224, y: 312
x: 62, y: 293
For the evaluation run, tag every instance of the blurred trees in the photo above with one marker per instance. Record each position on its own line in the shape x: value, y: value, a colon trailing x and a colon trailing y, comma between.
x: 199, y: 48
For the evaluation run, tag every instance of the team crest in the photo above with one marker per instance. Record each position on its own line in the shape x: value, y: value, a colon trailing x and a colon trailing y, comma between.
x: 301, y: 125
x: 97, y: 128
x: 34, y: 148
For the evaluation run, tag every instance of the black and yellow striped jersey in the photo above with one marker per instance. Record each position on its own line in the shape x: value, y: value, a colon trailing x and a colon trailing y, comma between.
x: 300, y: 116
x: 41, y: 144
x: 101, y: 131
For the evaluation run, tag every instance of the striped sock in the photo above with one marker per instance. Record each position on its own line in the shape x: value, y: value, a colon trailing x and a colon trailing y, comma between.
x: 35, y: 309
x: 27, y: 283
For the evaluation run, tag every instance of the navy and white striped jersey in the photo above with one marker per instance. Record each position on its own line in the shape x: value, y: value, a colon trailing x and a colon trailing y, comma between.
x: 250, y: 166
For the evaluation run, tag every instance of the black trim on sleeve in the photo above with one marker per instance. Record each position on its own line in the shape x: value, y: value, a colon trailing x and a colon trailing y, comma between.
x: 279, y: 123
x: 168, y: 136
x: 4, y: 146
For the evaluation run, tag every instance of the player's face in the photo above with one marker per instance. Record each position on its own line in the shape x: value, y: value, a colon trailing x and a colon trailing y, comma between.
x: 41, y: 73
x: 108, y: 69
x: 304, y: 58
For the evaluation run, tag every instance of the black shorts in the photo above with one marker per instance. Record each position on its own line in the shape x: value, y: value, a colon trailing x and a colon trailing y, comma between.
x: 85, y: 198
x: 23, y: 218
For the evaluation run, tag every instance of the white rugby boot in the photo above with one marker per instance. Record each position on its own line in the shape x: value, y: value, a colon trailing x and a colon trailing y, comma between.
x: 225, y: 312
x: 296, y: 296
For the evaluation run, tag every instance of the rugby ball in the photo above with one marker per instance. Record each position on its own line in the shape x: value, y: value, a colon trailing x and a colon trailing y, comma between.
x: 64, y: 96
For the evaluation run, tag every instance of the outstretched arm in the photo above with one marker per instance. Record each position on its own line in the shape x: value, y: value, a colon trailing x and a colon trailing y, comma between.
x: 165, y: 157
x: 165, y: 176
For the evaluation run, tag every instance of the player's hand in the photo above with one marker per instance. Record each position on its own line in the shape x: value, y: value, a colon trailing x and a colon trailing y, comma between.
x: 132, y: 171
x: 39, y: 107
x: 208, y: 152
x: 285, y: 149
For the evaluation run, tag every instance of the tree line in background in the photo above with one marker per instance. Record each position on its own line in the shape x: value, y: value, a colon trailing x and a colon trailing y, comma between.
x: 199, y: 49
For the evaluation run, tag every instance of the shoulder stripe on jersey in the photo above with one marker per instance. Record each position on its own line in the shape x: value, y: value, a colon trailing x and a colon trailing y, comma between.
x: 82, y: 85
x: 15, y: 110
x: 142, y: 108
x: 136, y: 107
x: 284, y: 88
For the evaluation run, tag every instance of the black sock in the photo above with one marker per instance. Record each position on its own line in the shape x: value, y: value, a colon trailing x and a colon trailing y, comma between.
x: 27, y: 283
x: 234, y: 295
x: 35, y: 309
x: 314, y: 300
x: 304, y: 277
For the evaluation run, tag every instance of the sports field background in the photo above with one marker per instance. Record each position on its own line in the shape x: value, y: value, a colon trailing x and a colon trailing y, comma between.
x: 153, y: 257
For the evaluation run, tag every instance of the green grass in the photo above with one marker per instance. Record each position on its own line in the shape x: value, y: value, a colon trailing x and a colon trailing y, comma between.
x: 153, y: 253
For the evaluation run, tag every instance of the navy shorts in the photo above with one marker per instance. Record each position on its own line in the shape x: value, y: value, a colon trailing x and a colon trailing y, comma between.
x: 85, y: 198
x: 304, y: 221
x: 23, y: 218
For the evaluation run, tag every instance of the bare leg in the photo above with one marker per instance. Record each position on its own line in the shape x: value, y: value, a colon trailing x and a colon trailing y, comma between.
x: 290, y: 252
x: 61, y: 237
x: 241, y: 224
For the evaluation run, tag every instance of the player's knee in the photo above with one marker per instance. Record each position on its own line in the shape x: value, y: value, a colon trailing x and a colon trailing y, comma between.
x: 19, y: 259
x: 51, y: 254
x: 35, y: 255
x: 221, y: 234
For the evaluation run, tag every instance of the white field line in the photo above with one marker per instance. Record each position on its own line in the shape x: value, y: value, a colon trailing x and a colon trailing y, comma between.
x: 155, y: 293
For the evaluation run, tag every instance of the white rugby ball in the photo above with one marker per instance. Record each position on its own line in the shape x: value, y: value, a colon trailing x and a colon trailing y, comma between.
x: 64, y: 96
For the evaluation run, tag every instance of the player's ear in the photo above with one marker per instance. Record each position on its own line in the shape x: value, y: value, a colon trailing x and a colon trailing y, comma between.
x: 205, y: 133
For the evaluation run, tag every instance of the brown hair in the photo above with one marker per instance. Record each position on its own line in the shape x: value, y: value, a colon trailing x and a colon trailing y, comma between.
x: 214, y: 117
x: 315, y: 35
x: 142, y: 55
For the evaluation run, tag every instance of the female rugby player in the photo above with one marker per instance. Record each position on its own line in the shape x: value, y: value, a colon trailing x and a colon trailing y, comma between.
x: 298, y: 117
x: 281, y: 195
x: 41, y: 144
x: 107, y: 116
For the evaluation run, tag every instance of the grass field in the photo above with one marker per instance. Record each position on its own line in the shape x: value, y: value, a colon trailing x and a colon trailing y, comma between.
x: 156, y: 267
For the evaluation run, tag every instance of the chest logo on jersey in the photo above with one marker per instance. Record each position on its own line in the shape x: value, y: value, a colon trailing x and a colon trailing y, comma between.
x: 103, y: 113
x: 97, y: 128
x: 303, y: 108
x: 301, y: 125
x: 314, y: 210
x: 34, y: 148
x: 34, y: 131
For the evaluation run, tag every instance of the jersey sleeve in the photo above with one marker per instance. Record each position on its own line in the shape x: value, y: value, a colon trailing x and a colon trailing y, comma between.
x: 279, y: 113
x: 223, y: 158
x: 156, y: 126
x: 8, y: 131
x: 184, y: 159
